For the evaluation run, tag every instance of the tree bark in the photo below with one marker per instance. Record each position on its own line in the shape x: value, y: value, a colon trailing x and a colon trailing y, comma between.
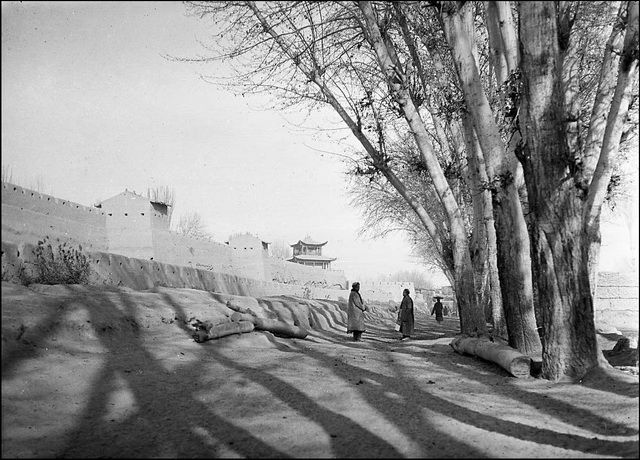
x: 485, y: 229
x: 504, y: 356
x: 280, y: 328
x: 514, y: 263
x: 223, y: 330
x: 570, y: 347
x: 271, y: 325
x: 471, y: 316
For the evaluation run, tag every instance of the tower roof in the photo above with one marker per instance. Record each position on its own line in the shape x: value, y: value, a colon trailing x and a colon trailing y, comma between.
x: 308, y: 242
x: 308, y: 258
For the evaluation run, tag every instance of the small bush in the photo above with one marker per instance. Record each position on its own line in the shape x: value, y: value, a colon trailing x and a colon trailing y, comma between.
x: 65, y: 265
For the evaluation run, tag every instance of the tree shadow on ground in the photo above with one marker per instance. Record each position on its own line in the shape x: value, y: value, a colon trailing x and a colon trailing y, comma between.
x: 416, y: 398
x: 170, y: 414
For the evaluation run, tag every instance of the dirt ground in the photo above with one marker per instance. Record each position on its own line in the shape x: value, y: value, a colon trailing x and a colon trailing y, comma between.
x: 110, y: 372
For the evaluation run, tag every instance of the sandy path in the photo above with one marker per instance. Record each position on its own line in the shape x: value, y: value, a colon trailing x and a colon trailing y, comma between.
x: 133, y: 383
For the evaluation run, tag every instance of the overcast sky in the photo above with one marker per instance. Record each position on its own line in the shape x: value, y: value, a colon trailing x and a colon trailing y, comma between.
x: 90, y: 107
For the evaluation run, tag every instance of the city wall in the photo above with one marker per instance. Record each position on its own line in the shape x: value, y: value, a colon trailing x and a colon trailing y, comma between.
x: 291, y: 273
x: 389, y: 290
x: 200, y: 253
x: 243, y: 261
x: 617, y: 304
x: 133, y: 228
x: 139, y: 274
x: 29, y: 216
x: 141, y: 233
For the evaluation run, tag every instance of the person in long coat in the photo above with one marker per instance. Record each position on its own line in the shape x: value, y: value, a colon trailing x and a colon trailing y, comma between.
x: 355, y: 313
x: 405, y: 315
x: 437, y: 309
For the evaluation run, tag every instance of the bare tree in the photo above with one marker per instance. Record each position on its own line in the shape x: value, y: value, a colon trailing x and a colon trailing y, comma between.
x: 191, y: 224
x: 280, y: 249
x: 38, y: 184
x: 381, y: 65
x: 7, y: 173
x: 163, y: 195
x: 501, y: 168
x: 419, y: 279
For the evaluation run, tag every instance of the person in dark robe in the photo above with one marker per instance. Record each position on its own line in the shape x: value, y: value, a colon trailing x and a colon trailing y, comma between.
x: 437, y: 309
x: 355, y: 313
x: 405, y: 315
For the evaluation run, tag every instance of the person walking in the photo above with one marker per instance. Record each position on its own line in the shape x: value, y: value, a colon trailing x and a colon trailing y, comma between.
x: 437, y: 309
x: 405, y: 315
x: 355, y: 313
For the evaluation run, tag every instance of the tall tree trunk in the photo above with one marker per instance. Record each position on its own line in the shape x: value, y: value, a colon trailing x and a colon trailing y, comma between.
x: 514, y: 263
x: 483, y: 244
x: 471, y: 316
x: 570, y: 347
x: 503, y: 35
x: 483, y: 217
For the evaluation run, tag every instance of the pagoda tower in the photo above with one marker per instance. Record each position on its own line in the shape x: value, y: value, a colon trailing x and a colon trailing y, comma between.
x: 309, y: 252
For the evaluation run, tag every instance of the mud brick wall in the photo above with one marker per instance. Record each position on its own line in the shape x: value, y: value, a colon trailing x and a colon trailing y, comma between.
x: 130, y: 227
x: 290, y: 273
x: 28, y: 216
x: 617, y: 302
x: 139, y: 274
x: 172, y: 248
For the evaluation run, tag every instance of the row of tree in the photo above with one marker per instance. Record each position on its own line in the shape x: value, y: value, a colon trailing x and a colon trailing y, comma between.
x: 488, y: 131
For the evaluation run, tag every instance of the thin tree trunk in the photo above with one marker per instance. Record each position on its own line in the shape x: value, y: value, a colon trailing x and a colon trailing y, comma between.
x: 598, y: 121
x: 484, y: 218
x: 488, y: 294
x: 496, y: 52
x: 615, y: 121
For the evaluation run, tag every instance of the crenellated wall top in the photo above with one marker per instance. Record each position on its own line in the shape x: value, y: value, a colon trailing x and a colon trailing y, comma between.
x: 43, y: 198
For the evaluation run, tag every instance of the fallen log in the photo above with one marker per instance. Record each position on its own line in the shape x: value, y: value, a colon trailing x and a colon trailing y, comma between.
x: 280, y: 328
x: 508, y: 358
x: 239, y: 309
x: 237, y: 316
x: 222, y: 330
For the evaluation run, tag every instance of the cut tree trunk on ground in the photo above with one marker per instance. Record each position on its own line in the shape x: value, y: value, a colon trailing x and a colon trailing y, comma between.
x: 222, y: 330
x: 239, y: 308
x: 237, y: 316
x: 508, y: 358
x: 245, y: 320
x: 280, y: 328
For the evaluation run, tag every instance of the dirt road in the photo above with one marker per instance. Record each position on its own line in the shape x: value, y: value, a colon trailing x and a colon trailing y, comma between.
x: 91, y: 372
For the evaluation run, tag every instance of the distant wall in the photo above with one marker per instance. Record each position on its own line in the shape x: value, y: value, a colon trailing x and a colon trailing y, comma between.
x: 139, y: 274
x: 128, y: 225
x: 616, y: 300
x: 200, y: 253
x: 292, y: 273
x: 386, y: 290
x: 130, y: 233
x: 249, y: 256
x: 617, y: 303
